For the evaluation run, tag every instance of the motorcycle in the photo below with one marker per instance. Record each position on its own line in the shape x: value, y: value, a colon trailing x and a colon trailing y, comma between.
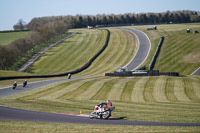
x: 14, y: 85
x: 25, y: 83
x: 101, y: 111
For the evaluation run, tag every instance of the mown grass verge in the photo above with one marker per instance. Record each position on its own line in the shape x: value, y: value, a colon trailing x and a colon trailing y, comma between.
x: 134, y: 98
x: 12, y: 126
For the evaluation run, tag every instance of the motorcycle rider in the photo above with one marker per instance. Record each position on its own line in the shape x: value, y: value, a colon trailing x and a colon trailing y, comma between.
x: 14, y: 85
x: 102, y: 110
x: 25, y: 83
x: 107, y: 103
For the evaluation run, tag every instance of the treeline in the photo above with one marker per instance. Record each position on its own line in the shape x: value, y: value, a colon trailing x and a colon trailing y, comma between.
x: 45, y: 28
x: 39, y: 34
x: 80, y: 21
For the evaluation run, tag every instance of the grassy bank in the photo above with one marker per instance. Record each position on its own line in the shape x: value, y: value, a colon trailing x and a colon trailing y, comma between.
x: 70, y: 54
x: 76, y: 51
x: 163, y: 99
x: 7, y: 127
x: 180, y: 51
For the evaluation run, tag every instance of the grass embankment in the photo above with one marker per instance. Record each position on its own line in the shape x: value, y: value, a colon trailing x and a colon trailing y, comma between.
x: 76, y: 51
x: 71, y: 54
x: 9, y: 126
x: 179, y: 52
x: 121, y: 49
x: 22, y: 60
x: 163, y: 99
x: 7, y: 38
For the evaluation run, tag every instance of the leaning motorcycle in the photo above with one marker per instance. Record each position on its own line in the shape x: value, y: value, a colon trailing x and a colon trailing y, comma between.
x: 101, y: 112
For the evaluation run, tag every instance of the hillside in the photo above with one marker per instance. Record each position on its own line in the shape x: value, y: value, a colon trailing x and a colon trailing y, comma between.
x: 163, y: 99
x: 76, y: 51
x: 180, y: 51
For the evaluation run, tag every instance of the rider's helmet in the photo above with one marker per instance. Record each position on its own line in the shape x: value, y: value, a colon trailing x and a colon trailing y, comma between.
x: 108, y: 102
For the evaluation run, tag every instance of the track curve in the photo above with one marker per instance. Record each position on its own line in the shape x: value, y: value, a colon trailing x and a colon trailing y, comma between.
x: 143, y: 50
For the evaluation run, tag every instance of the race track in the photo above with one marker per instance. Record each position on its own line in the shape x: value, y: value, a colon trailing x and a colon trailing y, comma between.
x: 143, y: 50
x: 4, y: 92
x: 13, y: 114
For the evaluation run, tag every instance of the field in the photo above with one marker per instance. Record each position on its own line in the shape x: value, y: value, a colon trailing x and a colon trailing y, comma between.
x: 180, y: 51
x: 160, y: 99
x: 7, y: 38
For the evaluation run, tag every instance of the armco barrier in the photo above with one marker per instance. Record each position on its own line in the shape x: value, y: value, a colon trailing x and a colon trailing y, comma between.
x: 65, y: 74
x: 151, y: 66
x: 148, y: 73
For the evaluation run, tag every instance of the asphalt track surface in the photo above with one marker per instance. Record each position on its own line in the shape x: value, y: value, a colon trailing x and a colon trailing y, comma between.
x: 143, y: 50
x: 14, y: 114
x: 4, y: 92
x: 196, y: 72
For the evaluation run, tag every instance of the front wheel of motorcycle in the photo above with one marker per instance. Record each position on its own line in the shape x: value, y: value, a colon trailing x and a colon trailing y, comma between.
x: 92, y: 115
x: 106, y: 114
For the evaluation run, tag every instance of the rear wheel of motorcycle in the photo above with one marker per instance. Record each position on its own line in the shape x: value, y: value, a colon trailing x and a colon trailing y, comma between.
x: 106, y: 115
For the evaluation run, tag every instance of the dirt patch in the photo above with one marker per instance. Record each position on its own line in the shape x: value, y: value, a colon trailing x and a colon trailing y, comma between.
x: 192, y: 57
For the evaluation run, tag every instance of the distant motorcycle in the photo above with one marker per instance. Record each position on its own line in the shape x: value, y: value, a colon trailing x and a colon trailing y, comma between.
x: 14, y: 85
x: 69, y: 76
x: 25, y: 83
x: 102, y: 111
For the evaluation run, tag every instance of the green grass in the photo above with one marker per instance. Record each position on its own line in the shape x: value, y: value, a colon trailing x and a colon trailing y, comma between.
x: 160, y: 99
x: 12, y: 126
x: 179, y: 52
x: 76, y: 51
x: 22, y: 60
x: 121, y: 49
x: 70, y: 54
x: 7, y: 38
